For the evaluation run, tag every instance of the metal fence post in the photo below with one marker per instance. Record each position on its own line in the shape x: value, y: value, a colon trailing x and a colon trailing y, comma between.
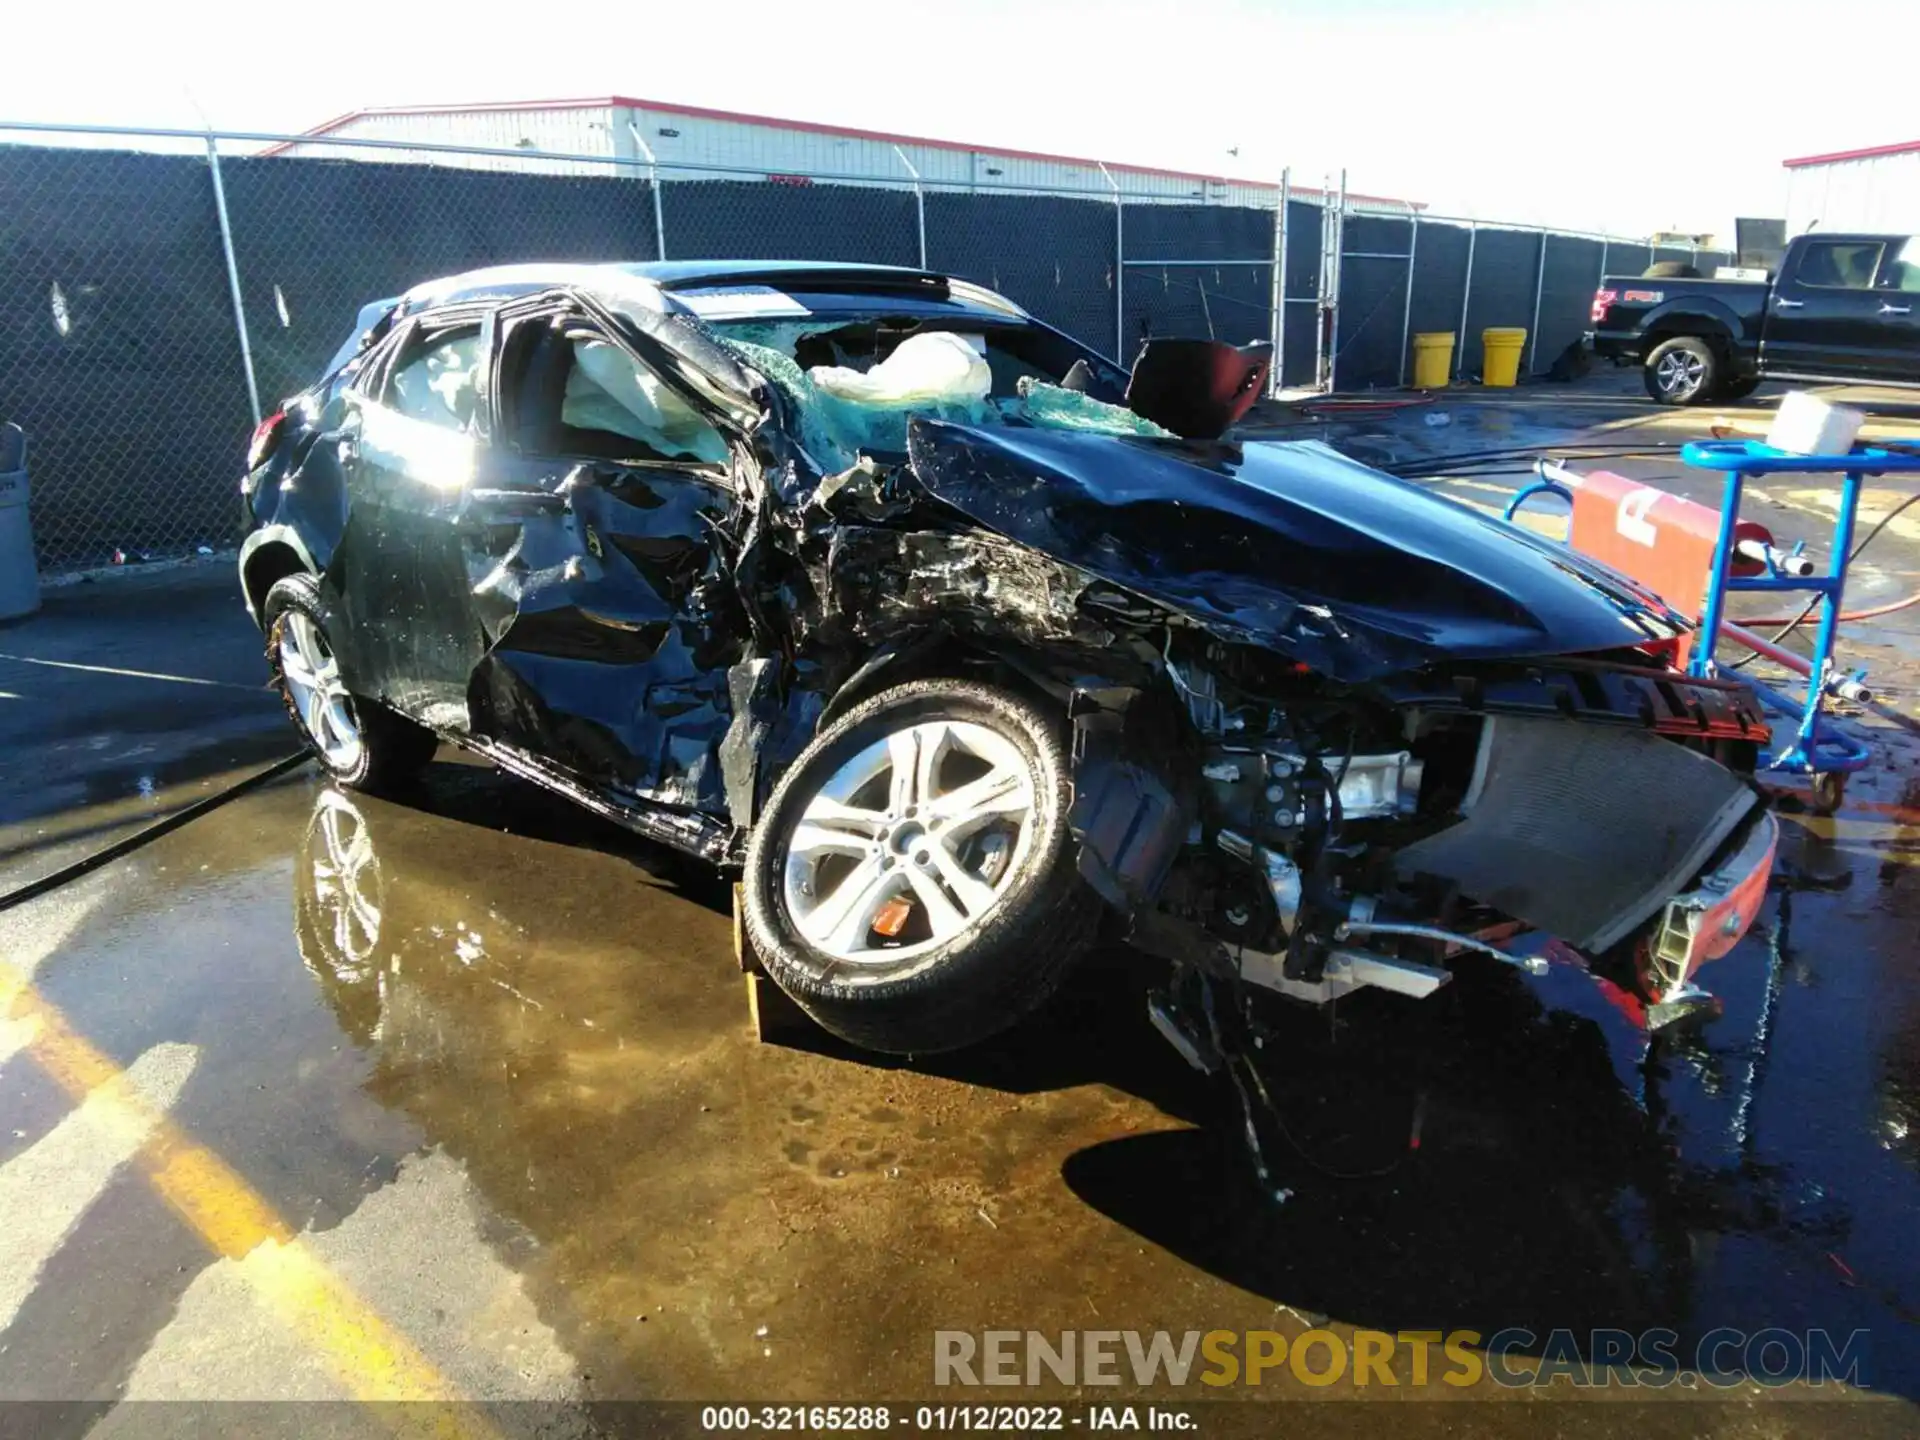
x: 653, y: 184
x: 1119, y: 270
x: 233, y: 275
x: 1406, y: 313
x: 1328, y: 361
x: 1466, y: 299
x: 919, y: 203
x: 1539, y: 287
x: 1278, y: 329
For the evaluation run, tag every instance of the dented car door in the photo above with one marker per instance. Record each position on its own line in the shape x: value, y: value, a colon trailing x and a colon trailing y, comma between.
x: 588, y: 537
x: 407, y: 450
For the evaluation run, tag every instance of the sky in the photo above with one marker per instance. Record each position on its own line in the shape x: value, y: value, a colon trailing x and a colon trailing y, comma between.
x: 1623, y: 117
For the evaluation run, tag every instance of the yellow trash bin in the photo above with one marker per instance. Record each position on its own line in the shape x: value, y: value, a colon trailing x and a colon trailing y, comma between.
x: 1502, y: 347
x: 1432, y: 359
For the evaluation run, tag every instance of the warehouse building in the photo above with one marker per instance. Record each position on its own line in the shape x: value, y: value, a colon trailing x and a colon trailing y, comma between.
x: 1876, y: 189
x: 691, y: 143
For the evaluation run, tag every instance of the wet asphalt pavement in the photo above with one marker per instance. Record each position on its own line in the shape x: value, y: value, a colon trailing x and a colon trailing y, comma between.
x: 452, y: 1094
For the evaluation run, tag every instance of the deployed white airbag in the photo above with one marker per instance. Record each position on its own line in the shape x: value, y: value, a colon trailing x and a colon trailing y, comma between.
x: 929, y: 369
x: 606, y: 391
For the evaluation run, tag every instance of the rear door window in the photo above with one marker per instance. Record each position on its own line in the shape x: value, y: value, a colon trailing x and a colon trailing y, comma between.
x: 570, y: 391
x: 1838, y: 264
x: 436, y: 378
x: 1901, y: 271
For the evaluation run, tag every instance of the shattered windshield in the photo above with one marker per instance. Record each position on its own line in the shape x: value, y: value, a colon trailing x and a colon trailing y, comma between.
x: 855, y: 384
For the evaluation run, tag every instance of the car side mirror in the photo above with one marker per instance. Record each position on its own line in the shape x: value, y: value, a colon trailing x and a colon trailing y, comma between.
x: 1197, y: 388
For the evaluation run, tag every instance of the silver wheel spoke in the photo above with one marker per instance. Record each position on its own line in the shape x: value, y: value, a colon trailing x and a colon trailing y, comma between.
x: 313, y: 709
x: 832, y: 814
x: 810, y: 841
x: 942, y: 917
x: 339, y: 722
x: 915, y: 756
x: 999, y: 792
x: 842, y: 920
x: 293, y: 665
x: 974, y: 894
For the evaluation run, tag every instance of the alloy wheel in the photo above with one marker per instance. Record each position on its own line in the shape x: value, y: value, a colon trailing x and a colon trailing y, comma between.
x: 1679, y: 373
x: 319, y: 696
x: 911, y: 843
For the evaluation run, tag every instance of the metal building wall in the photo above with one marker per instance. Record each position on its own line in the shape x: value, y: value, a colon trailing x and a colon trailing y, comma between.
x: 583, y: 130
x: 686, y: 143
x: 1874, y: 193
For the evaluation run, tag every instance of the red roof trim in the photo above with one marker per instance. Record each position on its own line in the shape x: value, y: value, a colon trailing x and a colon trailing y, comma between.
x: 665, y: 107
x: 1903, y: 148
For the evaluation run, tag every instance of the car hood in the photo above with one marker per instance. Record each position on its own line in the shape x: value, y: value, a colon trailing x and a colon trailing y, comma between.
x: 1290, y: 546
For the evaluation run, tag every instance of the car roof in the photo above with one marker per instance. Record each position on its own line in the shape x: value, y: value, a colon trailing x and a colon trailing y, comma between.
x: 655, y: 284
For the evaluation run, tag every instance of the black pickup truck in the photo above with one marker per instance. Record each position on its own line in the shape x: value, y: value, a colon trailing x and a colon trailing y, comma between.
x: 1839, y: 308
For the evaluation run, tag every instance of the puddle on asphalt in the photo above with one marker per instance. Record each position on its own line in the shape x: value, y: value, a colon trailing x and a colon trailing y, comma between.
x: 486, y: 972
x: 571, y: 1029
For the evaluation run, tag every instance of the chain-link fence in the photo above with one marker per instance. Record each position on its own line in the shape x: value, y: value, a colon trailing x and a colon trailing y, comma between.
x: 155, y: 301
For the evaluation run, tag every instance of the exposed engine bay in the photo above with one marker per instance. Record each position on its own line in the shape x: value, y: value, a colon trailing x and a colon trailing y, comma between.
x: 1343, y: 843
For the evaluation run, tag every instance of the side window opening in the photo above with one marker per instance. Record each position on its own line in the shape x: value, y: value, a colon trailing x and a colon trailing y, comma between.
x: 437, y: 379
x: 1902, y: 269
x: 610, y: 400
x: 568, y: 390
x: 1839, y: 264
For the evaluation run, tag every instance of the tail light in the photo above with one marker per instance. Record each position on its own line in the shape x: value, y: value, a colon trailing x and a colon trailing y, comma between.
x: 265, y: 436
x: 1602, y: 302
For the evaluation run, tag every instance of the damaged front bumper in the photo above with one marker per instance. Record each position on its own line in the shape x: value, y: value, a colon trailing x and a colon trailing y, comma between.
x: 1707, y: 921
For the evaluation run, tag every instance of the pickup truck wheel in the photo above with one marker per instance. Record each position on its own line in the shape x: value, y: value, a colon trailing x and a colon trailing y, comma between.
x: 1682, y: 371
x: 912, y: 883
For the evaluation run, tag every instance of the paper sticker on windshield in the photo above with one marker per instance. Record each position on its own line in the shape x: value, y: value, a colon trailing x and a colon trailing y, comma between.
x: 740, y: 302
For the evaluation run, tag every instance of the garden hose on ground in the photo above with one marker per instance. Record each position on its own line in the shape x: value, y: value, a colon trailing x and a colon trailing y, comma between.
x: 146, y: 835
x: 1790, y: 624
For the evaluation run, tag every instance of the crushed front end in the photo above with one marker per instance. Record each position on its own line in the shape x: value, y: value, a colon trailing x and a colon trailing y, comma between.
x: 1342, y: 837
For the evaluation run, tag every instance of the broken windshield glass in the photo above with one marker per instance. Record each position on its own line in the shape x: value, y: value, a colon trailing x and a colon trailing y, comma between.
x: 846, y: 411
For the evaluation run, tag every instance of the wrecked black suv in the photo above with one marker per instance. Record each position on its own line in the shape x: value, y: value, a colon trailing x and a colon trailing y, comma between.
x: 963, y: 643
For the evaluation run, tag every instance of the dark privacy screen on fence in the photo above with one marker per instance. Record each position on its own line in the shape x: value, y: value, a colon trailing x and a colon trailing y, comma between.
x: 120, y: 354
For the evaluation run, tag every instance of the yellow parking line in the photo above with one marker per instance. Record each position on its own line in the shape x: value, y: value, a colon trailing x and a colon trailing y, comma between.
x: 371, y: 1359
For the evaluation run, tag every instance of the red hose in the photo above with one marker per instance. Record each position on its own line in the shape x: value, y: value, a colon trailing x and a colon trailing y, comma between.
x: 1848, y: 615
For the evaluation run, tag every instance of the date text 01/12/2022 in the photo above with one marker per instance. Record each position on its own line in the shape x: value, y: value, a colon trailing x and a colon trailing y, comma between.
x: 942, y: 1418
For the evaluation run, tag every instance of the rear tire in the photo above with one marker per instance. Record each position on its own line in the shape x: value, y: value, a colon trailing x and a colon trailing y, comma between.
x: 1682, y: 371
x: 360, y: 742
x: 925, y: 905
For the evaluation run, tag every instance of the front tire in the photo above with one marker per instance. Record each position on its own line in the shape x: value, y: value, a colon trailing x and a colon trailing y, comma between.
x: 913, y: 882
x: 361, y: 742
x: 1682, y: 371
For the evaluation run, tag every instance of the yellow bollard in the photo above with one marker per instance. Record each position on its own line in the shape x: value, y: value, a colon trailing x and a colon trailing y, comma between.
x: 1432, y: 359
x: 1502, y: 348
